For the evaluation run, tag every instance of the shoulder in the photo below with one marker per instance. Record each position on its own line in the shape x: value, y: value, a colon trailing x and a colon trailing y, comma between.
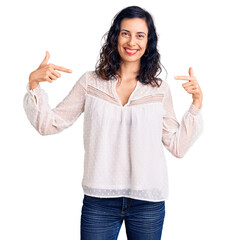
x: 93, y: 79
x: 164, y: 85
x: 86, y: 77
x: 162, y: 91
x: 164, y: 88
x: 91, y: 76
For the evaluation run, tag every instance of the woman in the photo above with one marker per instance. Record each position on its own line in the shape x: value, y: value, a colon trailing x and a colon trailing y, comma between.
x: 128, y: 117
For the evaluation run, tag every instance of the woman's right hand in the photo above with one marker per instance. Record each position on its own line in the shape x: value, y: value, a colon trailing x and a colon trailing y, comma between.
x: 45, y: 72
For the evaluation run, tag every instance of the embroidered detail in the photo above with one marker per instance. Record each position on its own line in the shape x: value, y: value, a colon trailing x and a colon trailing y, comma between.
x: 152, y: 194
x: 142, y: 100
x: 147, y: 99
x: 100, y: 94
x: 84, y: 88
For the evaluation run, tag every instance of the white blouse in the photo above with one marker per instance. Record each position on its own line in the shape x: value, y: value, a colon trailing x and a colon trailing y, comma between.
x: 124, y: 155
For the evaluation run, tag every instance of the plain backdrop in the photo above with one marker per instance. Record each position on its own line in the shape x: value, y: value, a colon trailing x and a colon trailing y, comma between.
x: 40, y: 176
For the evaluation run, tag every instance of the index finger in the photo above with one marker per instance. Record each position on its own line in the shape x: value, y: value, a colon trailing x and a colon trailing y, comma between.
x: 184, y: 78
x: 62, y: 69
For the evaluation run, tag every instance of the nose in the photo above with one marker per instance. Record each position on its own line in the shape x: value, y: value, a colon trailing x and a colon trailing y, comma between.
x: 132, y: 41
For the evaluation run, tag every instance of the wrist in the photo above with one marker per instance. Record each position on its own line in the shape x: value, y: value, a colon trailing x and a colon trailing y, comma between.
x: 33, y: 85
x: 197, y: 103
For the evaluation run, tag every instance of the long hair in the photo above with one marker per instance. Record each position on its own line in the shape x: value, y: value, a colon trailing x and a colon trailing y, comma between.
x: 109, y: 61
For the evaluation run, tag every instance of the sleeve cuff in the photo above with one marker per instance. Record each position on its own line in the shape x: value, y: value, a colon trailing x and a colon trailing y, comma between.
x: 194, y: 110
x: 35, y: 91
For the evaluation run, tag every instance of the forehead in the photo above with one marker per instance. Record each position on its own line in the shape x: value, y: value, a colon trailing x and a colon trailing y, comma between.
x: 134, y: 25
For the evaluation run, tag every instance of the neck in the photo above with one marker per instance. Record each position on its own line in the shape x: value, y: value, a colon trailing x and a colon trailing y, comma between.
x: 128, y: 71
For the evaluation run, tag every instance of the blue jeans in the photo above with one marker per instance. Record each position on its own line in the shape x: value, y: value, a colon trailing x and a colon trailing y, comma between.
x: 101, y: 218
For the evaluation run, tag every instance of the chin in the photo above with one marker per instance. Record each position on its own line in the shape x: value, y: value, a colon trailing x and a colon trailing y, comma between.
x: 130, y: 60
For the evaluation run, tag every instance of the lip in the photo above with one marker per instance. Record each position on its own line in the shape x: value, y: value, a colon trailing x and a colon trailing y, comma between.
x: 130, y: 49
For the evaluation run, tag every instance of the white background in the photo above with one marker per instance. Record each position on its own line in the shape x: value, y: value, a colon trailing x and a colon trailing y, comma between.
x: 40, y: 176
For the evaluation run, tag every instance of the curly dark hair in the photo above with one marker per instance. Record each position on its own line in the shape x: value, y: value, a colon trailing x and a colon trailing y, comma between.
x: 109, y: 61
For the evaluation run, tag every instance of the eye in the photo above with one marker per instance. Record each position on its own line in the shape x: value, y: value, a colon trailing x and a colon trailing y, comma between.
x: 124, y: 33
x: 141, y: 36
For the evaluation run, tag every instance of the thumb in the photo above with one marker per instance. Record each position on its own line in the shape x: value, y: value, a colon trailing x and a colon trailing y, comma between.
x: 45, y: 60
x: 191, y: 73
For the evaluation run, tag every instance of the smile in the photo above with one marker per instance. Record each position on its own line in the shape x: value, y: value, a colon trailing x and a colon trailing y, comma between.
x: 130, y: 51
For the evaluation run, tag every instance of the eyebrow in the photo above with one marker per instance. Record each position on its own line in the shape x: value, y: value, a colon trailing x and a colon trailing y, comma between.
x: 129, y: 31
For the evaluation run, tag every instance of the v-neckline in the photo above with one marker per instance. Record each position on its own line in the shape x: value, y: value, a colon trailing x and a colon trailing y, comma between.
x: 117, y: 97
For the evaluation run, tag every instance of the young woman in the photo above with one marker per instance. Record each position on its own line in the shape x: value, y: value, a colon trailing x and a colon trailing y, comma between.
x: 128, y: 117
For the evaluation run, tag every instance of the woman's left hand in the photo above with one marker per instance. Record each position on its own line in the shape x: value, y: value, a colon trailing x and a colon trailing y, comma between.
x: 192, y: 87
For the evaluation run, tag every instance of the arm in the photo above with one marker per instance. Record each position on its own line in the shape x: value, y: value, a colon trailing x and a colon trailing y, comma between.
x: 178, y: 138
x: 51, y: 121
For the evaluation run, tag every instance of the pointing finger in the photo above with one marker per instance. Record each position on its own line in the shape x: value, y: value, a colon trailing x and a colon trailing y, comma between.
x: 62, y: 69
x: 184, y: 78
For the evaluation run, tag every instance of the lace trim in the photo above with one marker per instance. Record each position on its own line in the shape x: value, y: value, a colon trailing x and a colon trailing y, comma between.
x: 100, y: 94
x: 104, y: 96
x: 150, y: 195
x: 148, y: 99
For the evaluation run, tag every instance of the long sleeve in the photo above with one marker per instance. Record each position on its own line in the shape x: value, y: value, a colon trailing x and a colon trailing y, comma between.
x: 51, y: 121
x: 178, y: 138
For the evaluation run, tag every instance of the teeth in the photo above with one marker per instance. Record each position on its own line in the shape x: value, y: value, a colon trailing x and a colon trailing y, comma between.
x: 131, y: 51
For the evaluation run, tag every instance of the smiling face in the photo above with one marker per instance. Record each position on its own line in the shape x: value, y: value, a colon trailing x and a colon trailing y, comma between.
x: 132, y: 39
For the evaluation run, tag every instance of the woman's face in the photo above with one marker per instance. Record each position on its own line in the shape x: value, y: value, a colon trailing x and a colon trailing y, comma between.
x: 133, y: 35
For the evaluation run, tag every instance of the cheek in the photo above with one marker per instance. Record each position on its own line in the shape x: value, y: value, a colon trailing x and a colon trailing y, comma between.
x: 145, y: 44
x: 120, y: 42
x: 144, y: 47
x: 120, y: 45
x: 119, y: 48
